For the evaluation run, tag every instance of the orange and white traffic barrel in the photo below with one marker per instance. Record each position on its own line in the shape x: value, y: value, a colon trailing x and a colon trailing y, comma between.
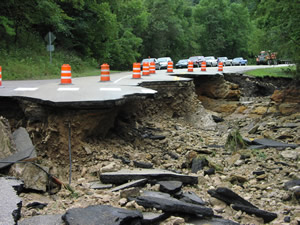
x: 152, y: 67
x: 136, y: 72
x: 66, y: 74
x: 0, y: 76
x: 146, y: 71
x: 105, y: 72
x: 220, y: 66
x: 170, y: 67
x: 191, y: 66
x: 203, y: 66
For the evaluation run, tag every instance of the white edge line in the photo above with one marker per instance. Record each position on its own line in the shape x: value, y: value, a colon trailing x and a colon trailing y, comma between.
x: 26, y: 89
x: 116, y: 81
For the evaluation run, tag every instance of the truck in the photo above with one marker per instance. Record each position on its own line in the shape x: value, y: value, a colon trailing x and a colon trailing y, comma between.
x: 267, y: 58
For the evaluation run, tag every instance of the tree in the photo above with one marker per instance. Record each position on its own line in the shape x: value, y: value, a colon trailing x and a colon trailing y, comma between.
x: 223, y: 28
x: 281, y: 22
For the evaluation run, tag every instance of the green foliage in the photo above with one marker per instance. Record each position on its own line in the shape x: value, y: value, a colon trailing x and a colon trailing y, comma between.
x: 120, y: 32
x: 234, y: 141
x: 259, y: 154
x: 280, y: 21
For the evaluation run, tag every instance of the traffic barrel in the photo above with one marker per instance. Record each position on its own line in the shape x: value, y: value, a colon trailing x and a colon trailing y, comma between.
x: 203, y: 66
x: 220, y: 66
x: 105, y: 72
x: 136, y: 72
x: 66, y: 74
x: 0, y: 76
x: 170, y: 67
x: 191, y: 66
x: 146, y: 71
x: 152, y: 67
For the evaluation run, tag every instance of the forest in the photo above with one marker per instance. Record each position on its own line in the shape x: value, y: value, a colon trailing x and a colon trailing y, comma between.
x: 121, y: 32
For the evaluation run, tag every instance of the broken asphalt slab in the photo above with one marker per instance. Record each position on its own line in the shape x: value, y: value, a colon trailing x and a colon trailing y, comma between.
x: 268, y: 143
x: 10, y: 207
x: 102, y: 214
x: 42, y: 219
x: 124, y: 175
x: 172, y: 205
x: 267, y: 216
x: 238, y: 203
x: 229, y: 197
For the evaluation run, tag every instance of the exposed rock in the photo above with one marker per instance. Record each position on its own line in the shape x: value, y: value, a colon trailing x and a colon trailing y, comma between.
x: 289, y: 108
x: 10, y: 207
x: 98, y: 185
x: 198, y: 164
x: 258, y: 173
x: 102, y: 214
x: 290, y: 154
x: 7, y: 145
x: 191, y: 197
x: 145, y: 165
x: 173, y: 205
x: 33, y: 176
x: 210, y: 171
x: 170, y: 187
x: 291, y: 184
x: 43, y: 219
x: 156, y: 194
x: 150, y: 218
x: 125, y: 175
x: 217, y: 119
x: 37, y: 205
x: 130, y: 192
x: 112, y: 167
x: 286, y: 95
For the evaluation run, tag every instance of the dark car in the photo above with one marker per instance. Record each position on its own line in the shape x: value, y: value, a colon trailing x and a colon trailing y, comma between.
x: 197, y: 60
x: 182, y: 63
x: 150, y: 60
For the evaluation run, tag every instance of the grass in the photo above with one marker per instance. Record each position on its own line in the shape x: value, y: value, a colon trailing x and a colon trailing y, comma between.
x: 285, y: 72
x: 28, y: 64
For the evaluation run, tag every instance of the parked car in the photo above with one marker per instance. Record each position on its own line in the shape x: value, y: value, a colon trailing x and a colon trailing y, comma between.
x: 163, y: 62
x: 182, y: 63
x: 211, y: 61
x: 239, y: 61
x: 150, y: 60
x: 197, y: 60
x: 225, y: 61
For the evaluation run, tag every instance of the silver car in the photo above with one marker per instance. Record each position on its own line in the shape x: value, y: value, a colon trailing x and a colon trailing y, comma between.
x: 163, y: 62
x: 225, y: 61
x: 211, y: 61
